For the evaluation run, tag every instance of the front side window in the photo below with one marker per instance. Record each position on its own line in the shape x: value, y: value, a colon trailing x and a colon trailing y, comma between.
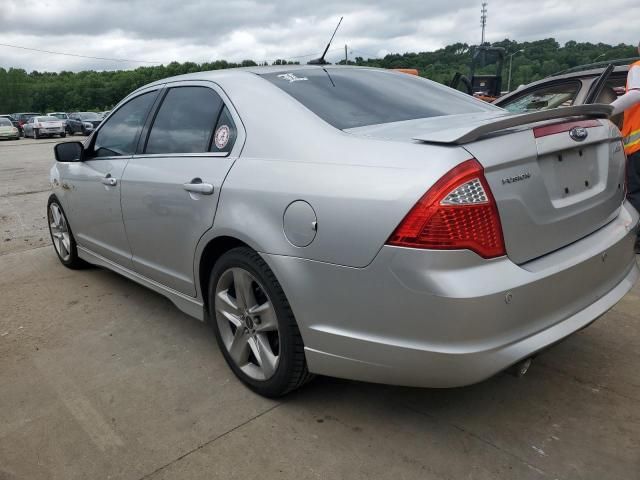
x: 544, y: 98
x: 119, y: 135
x: 185, y: 122
x: 350, y: 98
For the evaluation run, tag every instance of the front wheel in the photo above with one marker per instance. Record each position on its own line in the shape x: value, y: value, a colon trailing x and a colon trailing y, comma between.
x: 254, y: 325
x: 36, y: 135
x: 62, y: 237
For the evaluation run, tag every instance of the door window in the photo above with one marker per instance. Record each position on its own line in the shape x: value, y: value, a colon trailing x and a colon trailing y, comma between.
x: 225, y: 133
x: 119, y: 135
x: 185, y: 121
x: 544, y: 98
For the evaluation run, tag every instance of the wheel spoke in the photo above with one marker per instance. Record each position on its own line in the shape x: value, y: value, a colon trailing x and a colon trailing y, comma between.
x: 267, y: 314
x: 244, y: 293
x: 227, y: 306
x: 239, y: 348
x: 262, y: 351
x: 66, y: 244
x: 57, y: 244
x: 56, y: 216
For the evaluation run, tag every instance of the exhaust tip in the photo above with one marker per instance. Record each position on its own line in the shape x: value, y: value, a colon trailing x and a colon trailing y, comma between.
x: 520, y: 369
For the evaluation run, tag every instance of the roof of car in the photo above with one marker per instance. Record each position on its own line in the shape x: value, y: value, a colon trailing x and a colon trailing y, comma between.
x: 593, y: 72
x: 257, y: 70
x: 590, y: 73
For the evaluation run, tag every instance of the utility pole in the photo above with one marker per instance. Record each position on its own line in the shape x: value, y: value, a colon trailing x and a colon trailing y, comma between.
x: 483, y: 20
x: 346, y: 56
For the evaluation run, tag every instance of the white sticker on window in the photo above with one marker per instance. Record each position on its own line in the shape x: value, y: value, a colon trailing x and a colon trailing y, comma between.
x: 221, y: 137
x: 290, y: 77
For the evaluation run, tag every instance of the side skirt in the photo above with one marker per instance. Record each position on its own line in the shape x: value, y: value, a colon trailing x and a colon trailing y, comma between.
x: 185, y: 303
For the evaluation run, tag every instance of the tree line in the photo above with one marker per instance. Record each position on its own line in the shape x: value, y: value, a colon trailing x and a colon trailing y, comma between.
x: 101, y: 90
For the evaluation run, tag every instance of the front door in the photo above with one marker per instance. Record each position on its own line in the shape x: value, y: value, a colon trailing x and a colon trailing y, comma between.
x: 170, y: 189
x: 94, y: 212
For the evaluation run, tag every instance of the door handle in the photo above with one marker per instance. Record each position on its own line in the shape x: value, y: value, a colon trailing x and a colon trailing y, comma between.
x: 109, y: 180
x: 196, y: 186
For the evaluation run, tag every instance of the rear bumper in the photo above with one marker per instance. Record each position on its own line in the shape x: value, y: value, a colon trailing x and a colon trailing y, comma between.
x: 445, y: 319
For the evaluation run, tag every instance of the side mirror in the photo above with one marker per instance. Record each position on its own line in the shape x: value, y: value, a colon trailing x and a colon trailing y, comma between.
x: 69, y: 152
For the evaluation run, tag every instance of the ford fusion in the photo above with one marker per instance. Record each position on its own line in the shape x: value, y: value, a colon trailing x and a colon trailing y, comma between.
x: 353, y: 222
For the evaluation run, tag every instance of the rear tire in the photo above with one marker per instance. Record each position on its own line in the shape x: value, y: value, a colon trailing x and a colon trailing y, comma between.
x: 36, y: 135
x: 62, y: 135
x: 62, y: 237
x: 258, y: 325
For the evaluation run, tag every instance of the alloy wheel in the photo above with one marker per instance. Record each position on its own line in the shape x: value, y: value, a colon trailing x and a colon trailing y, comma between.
x: 248, y: 323
x: 59, y: 232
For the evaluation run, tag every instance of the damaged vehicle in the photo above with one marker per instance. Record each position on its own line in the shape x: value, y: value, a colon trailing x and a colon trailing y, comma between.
x: 353, y: 222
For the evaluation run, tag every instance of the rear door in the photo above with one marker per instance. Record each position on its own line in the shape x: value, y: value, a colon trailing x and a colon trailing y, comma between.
x: 170, y: 188
x: 553, y: 184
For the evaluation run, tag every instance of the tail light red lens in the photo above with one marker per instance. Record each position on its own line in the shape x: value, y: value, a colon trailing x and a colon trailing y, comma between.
x: 458, y: 212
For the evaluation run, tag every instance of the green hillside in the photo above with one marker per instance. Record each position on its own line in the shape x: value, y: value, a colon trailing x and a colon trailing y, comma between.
x: 91, y: 90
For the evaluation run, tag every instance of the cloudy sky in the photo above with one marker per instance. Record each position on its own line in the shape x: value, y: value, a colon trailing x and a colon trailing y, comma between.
x: 205, y: 30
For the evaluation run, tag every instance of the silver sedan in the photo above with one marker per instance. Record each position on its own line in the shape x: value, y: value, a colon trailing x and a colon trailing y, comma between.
x: 353, y: 222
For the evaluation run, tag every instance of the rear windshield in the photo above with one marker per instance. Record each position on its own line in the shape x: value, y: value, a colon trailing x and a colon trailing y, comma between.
x: 48, y: 118
x: 349, y: 98
x: 88, y: 116
x: 5, y: 122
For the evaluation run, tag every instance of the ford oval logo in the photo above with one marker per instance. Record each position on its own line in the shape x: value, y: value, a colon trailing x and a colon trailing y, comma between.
x: 578, y: 133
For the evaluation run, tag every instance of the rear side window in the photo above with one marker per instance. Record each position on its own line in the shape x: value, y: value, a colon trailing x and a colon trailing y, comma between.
x: 349, y: 98
x: 119, y: 135
x: 185, y: 122
x: 225, y: 133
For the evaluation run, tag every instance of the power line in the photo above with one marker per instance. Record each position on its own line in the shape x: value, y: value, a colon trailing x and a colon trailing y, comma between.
x: 77, y: 55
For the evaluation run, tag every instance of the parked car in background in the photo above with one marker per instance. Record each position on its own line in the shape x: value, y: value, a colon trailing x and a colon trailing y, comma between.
x: 44, y: 126
x: 22, y: 118
x: 353, y: 222
x: 8, y: 131
x: 83, y: 122
x: 581, y: 85
x: 13, y: 121
x: 62, y: 116
x: 105, y: 113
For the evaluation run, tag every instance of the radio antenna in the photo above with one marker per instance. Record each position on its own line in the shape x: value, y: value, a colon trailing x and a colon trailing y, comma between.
x: 321, y: 60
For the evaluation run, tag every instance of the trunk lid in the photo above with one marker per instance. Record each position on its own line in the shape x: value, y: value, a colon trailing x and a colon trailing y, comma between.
x: 551, y: 188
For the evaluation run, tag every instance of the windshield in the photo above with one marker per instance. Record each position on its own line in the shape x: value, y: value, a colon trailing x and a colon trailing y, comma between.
x: 88, y: 116
x: 48, y: 118
x: 349, y: 98
x: 5, y: 122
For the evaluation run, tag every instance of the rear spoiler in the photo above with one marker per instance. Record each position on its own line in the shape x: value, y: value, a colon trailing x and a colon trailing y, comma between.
x: 470, y: 133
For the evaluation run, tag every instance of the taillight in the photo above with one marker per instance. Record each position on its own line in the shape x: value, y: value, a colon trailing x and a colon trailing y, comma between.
x: 458, y: 212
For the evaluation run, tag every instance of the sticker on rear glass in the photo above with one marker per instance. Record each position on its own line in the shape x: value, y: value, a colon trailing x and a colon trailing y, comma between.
x: 221, y: 137
x: 290, y: 77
